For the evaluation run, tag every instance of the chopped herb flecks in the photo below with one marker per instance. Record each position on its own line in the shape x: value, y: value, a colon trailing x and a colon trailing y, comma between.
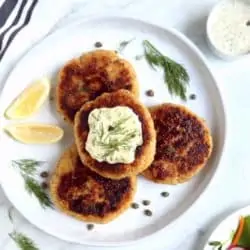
x: 124, y: 44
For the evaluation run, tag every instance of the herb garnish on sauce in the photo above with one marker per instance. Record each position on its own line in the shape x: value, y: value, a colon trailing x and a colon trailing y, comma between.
x: 114, y: 134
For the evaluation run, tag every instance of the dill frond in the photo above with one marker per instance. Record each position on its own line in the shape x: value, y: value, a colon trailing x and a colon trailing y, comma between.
x: 175, y: 75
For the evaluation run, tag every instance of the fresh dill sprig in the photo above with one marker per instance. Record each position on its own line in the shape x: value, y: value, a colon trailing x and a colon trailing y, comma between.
x: 22, y: 241
x: 33, y: 187
x: 175, y: 75
x: 124, y: 44
x: 27, y: 166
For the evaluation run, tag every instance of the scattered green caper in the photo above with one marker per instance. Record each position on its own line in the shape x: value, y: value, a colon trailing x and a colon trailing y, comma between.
x: 135, y: 205
x: 148, y: 212
x: 90, y: 226
x: 146, y: 202
x: 164, y: 194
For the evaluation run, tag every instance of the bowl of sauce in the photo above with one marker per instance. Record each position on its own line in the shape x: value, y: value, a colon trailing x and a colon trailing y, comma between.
x: 228, y: 29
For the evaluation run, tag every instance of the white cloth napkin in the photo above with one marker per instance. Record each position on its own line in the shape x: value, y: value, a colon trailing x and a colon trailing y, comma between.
x: 22, y: 24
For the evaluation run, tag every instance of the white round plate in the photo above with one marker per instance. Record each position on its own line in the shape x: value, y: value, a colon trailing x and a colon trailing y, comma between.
x: 223, y: 232
x: 46, y: 59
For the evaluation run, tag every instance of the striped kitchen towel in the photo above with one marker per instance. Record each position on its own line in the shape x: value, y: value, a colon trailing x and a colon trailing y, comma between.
x: 22, y: 24
x: 11, y: 21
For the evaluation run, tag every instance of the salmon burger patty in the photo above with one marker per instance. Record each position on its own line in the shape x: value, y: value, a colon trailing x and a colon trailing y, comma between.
x: 87, y: 77
x: 144, y: 154
x: 184, y: 144
x: 83, y: 194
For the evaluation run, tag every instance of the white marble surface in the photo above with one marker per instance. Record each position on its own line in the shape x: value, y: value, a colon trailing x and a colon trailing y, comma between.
x: 229, y: 190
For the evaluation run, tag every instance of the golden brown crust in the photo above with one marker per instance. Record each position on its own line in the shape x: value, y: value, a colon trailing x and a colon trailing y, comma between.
x: 183, y: 147
x: 144, y: 154
x: 83, y: 194
x: 87, y: 77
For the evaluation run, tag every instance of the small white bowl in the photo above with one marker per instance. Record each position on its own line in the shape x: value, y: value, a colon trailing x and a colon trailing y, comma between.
x: 211, y: 44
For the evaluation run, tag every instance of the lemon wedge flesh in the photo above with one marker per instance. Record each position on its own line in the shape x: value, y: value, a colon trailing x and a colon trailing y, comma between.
x: 35, y: 133
x: 30, y: 100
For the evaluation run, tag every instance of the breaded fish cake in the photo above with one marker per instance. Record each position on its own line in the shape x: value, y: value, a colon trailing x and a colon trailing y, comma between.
x: 144, y: 154
x: 87, y: 77
x: 184, y: 144
x: 83, y: 194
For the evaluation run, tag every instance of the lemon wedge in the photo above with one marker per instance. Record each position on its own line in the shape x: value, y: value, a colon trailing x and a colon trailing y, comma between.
x: 30, y: 100
x: 34, y: 133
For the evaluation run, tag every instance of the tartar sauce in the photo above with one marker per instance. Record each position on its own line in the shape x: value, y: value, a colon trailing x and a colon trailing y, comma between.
x: 114, y: 134
x: 229, y: 28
